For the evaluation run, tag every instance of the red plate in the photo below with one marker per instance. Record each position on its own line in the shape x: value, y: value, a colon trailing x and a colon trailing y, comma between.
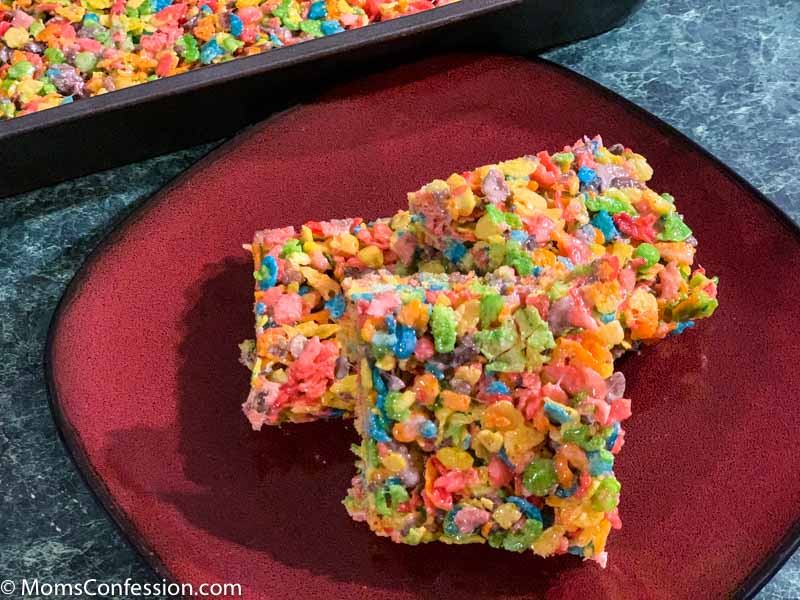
x: 146, y: 386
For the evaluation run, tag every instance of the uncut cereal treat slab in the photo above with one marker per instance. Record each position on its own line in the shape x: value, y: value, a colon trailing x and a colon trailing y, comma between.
x: 563, y: 211
x: 478, y: 424
x: 54, y: 53
x: 297, y: 372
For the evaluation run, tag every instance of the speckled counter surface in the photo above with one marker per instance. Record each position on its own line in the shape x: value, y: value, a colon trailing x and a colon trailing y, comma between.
x: 725, y: 73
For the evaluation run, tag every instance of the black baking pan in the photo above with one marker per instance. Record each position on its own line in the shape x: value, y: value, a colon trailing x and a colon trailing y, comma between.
x: 216, y: 101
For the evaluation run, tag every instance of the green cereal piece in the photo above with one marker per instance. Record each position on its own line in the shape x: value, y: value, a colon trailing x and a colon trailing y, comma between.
x: 674, y: 229
x: 491, y: 305
x: 19, y: 70
x: 494, y: 342
x: 398, y: 494
x: 606, y: 496
x: 563, y: 159
x: 497, y: 255
x: 397, y: 406
x: 512, y: 361
x: 611, y: 205
x: 443, y: 326
x: 291, y: 247
x: 558, y: 290
x: 539, y: 476
x: 517, y: 258
x: 85, y: 62
x: 520, y: 541
x: 495, y: 214
x: 312, y: 27
x: 54, y: 56
x: 649, y: 253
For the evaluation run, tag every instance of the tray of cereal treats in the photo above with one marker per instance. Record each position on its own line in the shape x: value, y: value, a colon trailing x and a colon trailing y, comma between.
x: 93, y: 84
x: 489, y: 348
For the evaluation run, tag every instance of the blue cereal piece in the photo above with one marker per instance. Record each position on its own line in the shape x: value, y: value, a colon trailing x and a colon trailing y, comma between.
x: 270, y: 265
x: 504, y: 457
x: 161, y: 4
x: 498, y: 387
x: 428, y: 429
x: 237, y: 26
x: 335, y: 306
x: 600, y: 462
x: 557, y: 412
x: 435, y: 371
x: 603, y: 221
x: 331, y: 27
x: 612, y: 439
x: 518, y: 235
x: 528, y: 509
x: 567, y: 493
x: 377, y: 429
x: 681, y: 327
x: 377, y: 382
x: 455, y: 251
x: 260, y: 308
x: 272, y: 37
x: 209, y: 52
x: 586, y: 175
x: 317, y: 10
x: 406, y: 342
x: 608, y: 317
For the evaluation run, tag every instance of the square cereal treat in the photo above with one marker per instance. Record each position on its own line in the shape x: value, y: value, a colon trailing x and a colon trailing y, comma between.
x: 479, y: 423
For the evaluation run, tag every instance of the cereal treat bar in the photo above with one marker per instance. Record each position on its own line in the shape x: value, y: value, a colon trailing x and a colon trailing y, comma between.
x: 479, y: 422
x: 297, y: 371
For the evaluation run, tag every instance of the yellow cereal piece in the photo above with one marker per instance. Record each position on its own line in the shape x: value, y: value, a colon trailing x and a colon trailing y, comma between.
x: 469, y: 374
x: 326, y: 286
x: 522, y: 439
x: 622, y: 251
x: 372, y: 256
x: 431, y: 266
x: 644, y: 172
x: 469, y: 314
x: 387, y: 363
x: 549, y: 541
x: 526, y: 202
x: 518, y: 167
x: 454, y: 458
x: 28, y: 89
x: 610, y: 334
x: 16, y: 37
x: 486, y: 229
x: 394, y: 462
x: 491, y: 440
x: 641, y: 314
x: 506, y: 515
x: 345, y: 243
x: 71, y: 12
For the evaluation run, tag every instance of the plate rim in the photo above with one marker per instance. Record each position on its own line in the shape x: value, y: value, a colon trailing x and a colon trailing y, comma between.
x: 747, y: 589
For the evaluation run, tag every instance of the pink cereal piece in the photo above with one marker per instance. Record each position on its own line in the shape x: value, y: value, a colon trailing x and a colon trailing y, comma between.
x: 404, y: 248
x: 424, y: 348
x: 469, y: 518
x: 453, y: 481
x: 270, y: 237
x: 90, y: 45
x: 348, y: 20
x: 620, y: 409
x: 613, y: 518
x: 579, y: 314
x: 627, y: 279
x: 249, y: 14
x: 336, y: 227
x: 499, y: 474
x: 620, y: 442
x: 21, y: 19
x: 288, y: 309
x: 318, y: 261
x: 382, y: 304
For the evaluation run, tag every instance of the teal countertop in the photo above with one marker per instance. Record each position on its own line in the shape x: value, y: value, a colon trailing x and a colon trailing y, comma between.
x: 726, y: 74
